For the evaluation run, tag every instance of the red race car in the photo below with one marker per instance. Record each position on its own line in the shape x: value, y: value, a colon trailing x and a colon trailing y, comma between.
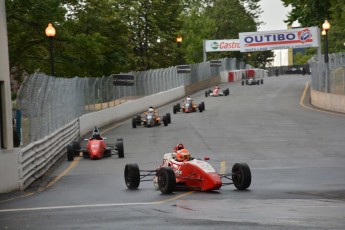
x: 96, y: 148
x: 181, y: 172
x: 217, y: 92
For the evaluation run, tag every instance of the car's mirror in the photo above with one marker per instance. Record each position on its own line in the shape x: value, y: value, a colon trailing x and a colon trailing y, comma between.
x: 104, y: 138
x: 206, y: 158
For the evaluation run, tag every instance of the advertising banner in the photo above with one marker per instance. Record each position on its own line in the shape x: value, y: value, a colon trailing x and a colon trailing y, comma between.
x: 222, y: 45
x: 279, y: 39
x: 123, y: 79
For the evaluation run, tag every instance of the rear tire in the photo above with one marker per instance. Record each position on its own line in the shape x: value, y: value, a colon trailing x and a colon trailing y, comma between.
x: 174, y: 109
x: 166, y: 180
x: 206, y: 93
x: 226, y: 92
x: 120, y: 149
x: 241, y: 176
x: 134, y: 122
x: 132, y: 176
x: 70, y: 152
x: 165, y: 121
x: 168, y: 116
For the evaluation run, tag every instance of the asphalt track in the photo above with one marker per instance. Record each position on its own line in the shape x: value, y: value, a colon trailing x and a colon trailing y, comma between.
x: 295, y: 152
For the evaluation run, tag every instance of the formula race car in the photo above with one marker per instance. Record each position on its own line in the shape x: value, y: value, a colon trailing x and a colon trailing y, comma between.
x: 150, y: 119
x: 217, y: 92
x: 188, y: 107
x: 253, y: 81
x: 192, y: 174
x: 96, y: 148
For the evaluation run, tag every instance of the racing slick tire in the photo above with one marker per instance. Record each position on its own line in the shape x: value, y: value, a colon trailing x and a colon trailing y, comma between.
x: 165, y: 121
x: 200, y: 108
x: 202, y: 105
x: 241, y: 176
x: 120, y: 149
x: 166, y: 180
x: 174, y: 109
x: 206, y: 94
x: 70, y: 152
x: 262, y: 81
x: 226, y: 92
x: 242, y: 82
x: 134, y: 122
x: 132, y: 176
x: 168, y: 116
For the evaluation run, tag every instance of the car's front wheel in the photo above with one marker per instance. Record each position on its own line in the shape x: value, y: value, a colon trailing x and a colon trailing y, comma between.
x: 241, y: 176
x: 132, y: 176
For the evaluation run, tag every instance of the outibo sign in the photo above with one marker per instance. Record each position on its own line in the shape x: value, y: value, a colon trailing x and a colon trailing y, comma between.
x: 222, y: 45
x: 279, y: 39
x: 123, y: 79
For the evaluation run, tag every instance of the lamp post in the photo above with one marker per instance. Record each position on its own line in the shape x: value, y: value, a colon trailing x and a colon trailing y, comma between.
x: 179, y: 41
x: 326, y: 26
x: 50, y: 32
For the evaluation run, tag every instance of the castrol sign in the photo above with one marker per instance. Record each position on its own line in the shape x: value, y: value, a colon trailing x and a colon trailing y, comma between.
x: 279, y: 39
x: 222, y: 45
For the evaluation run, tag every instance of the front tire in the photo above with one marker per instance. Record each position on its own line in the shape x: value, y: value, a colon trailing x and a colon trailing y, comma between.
x: 120, y: 149
x: 241, y: 176
x: 166, y: 180
x: 132, y: 176
x: 70, y: 152
x: 134, y: 122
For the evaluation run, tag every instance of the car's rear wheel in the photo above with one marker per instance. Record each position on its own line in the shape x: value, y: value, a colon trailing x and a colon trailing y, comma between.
x: 168, y: 116
x: 165, y: 121
x: 134, y: 122
x: 241, y: 176
x: 166, y: 180
x: 70, y: 152
x: 226, y: 92
x: 174, y: 109
x: 120, y: 149
x: 202, y: 105
x: 132, y: 176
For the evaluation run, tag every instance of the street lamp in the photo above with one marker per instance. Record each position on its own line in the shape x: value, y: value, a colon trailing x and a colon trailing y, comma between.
x: 50, y: 32
x: 326, y: 26
x: 179, y: 41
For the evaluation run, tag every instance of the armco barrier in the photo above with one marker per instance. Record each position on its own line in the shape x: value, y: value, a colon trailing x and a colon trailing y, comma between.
x: 37, y: 158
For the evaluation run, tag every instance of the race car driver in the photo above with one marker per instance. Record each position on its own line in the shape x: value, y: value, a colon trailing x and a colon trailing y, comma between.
x: 178, y: 147
x: 183, y: 155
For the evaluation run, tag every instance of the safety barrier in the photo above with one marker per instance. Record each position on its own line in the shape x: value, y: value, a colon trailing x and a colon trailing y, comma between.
x: 38, y: 157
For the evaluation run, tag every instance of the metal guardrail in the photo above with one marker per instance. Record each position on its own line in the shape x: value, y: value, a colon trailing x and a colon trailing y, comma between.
x: 48, y: 103
x: 38, y: 157
x: 328, y: 77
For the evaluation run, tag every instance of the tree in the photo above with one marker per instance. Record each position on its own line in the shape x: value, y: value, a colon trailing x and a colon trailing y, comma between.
x: 314, y: 12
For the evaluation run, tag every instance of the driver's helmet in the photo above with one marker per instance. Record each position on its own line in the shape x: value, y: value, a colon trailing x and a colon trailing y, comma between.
x: 183, y: 155
x: 178, y: 147
x: 189, y: 100
x: 151, y: 110
x: 95, y: 133
x: 217, y: 87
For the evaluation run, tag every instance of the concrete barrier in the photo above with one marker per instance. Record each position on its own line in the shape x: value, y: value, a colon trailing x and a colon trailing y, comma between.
x: 328, y: 101
x: 108, y: 116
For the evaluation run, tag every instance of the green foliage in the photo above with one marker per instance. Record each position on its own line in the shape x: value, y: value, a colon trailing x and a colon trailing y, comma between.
x: 100, y: 37
x: 314, y: 12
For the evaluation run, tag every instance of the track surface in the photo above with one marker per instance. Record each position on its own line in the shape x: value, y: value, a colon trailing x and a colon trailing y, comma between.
x: 296, y: 156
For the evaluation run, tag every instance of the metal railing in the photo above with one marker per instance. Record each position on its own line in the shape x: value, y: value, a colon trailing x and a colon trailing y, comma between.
x: 48, y: 103
x: 328, y: 77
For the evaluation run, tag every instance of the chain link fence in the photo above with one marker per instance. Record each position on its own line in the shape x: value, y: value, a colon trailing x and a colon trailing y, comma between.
x: 48, y: 103
x: 328, y: 77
